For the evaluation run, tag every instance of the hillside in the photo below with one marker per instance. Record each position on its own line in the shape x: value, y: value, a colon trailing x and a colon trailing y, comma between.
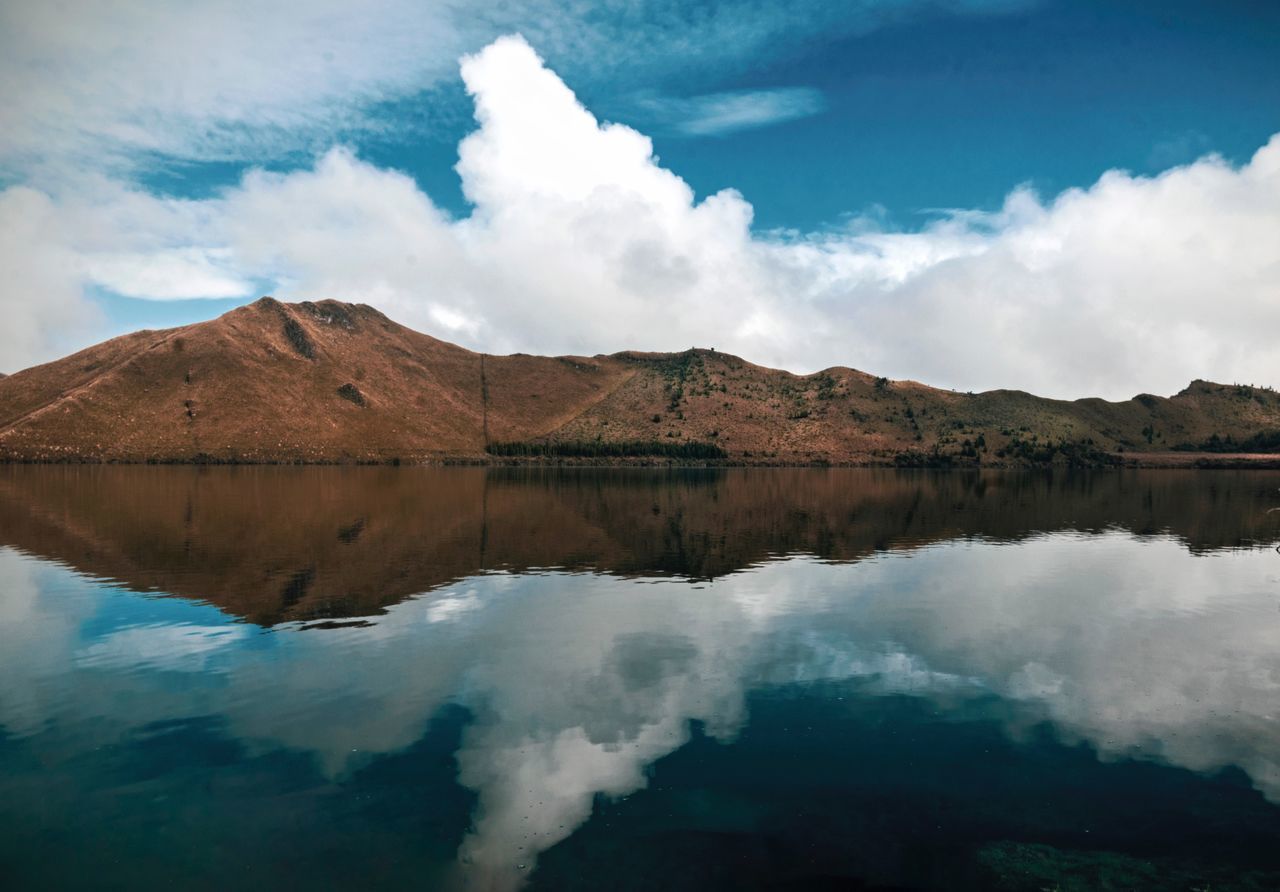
x: 335, y: 382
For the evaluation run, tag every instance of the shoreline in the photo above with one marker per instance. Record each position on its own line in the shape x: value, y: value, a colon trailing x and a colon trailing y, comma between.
x: 1116, y: 461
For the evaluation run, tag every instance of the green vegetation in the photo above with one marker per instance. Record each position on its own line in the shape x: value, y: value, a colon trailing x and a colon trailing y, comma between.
x: 604, y: 449
x: 915, y: 458
x: 1261, y: 442
x: 1073, y: 453
x: 681, y: 370
x: 826, y: 386
x: 971, y: 448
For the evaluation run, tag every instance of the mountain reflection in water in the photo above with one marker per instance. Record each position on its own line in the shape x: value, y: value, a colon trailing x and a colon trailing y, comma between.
x: 453, y: 677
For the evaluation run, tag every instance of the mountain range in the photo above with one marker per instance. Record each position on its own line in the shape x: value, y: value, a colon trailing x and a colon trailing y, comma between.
x: 321, y: 382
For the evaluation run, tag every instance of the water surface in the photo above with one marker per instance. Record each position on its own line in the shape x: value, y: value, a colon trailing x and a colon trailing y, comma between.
x: 501, y: 679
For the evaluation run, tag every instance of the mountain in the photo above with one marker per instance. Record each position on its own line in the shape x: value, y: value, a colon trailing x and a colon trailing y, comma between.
x: 336, y: 382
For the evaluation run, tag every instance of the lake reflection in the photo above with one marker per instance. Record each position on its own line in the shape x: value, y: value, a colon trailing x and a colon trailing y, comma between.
x: 463, y: 678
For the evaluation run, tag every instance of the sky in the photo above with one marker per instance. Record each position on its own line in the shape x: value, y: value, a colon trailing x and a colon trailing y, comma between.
x: 1075, y: 199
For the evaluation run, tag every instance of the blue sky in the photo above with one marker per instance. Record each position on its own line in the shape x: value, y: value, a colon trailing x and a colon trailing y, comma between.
x: 953, y: 111
x: 871, y: 144
x: 937, y: 109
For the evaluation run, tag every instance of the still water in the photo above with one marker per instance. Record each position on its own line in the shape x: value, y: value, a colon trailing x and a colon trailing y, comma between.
x: 499, y: 679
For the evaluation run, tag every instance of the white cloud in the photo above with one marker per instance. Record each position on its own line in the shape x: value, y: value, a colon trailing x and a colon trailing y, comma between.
x: 580, y: 241
x: 41, y: 298
x: 204, y: 80
x: 103, y: 234
x: 719, y: 114
x: 168, y: 275
x: 138, y: 82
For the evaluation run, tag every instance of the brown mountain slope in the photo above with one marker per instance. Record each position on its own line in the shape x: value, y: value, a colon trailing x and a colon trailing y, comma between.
x: 327, y: 381
x: 275, y: 382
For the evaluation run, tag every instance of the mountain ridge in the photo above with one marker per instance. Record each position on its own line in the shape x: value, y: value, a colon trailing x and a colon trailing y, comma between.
x: 326, y: 381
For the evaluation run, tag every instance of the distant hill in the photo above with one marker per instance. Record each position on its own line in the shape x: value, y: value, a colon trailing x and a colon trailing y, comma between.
x: 336, y: 382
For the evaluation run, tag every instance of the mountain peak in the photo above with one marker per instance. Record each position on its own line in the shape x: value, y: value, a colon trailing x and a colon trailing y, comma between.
x: 329, y: 381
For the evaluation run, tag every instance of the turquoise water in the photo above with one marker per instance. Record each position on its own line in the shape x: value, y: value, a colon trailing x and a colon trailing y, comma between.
x: 470, y: 679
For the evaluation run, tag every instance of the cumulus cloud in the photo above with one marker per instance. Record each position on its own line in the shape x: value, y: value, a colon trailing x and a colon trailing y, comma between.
x: 42, y: 298
x: 581, y: 241
x: 105, y: 234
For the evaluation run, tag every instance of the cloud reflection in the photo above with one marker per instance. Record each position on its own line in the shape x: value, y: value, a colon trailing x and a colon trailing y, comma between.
x: 578, y: 682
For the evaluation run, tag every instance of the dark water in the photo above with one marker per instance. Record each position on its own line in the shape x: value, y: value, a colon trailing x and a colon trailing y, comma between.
x: 469, y: 679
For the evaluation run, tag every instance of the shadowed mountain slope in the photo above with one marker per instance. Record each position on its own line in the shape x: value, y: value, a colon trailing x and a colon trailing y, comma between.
x: 335, y: 382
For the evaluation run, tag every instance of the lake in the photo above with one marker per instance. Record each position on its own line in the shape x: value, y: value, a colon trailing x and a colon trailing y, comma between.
x: 500, y: 679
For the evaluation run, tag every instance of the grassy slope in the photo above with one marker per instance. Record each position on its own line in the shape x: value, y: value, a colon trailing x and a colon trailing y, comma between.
x: 336, y: 382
